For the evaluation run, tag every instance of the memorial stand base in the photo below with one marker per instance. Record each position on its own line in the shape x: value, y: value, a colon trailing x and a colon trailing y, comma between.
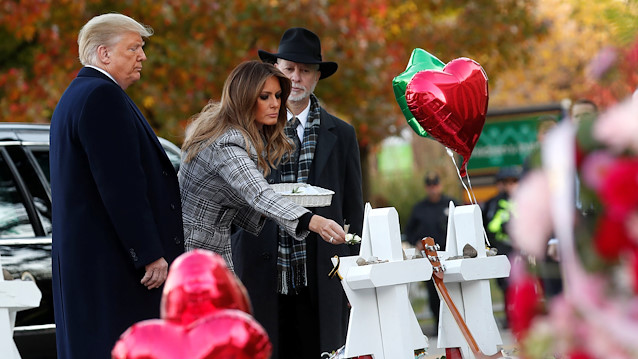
x: 453, y: 353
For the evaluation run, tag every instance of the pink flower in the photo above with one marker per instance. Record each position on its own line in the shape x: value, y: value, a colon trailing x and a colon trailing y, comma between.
x: 531, y: 223
x: 631, y: 226
x: 601, y: 63
x: 594, y: 168
x: 618, y: 127
x: 618, y: 192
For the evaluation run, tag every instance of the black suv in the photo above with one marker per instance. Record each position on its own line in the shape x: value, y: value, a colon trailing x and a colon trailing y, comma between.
x: 25, y: 227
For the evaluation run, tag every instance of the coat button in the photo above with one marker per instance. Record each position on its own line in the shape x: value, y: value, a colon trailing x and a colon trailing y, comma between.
x: 133, y: 255
x: 265, y: 256
x: 165, y: 173
x: 176, y: 239
x: 173, y: 206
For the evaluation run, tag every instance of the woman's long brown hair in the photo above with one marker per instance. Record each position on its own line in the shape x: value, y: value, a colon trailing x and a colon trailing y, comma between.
x: 237, y: 110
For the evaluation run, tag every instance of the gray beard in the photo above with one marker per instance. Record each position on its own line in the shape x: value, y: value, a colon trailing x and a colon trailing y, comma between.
x: 299, y: 98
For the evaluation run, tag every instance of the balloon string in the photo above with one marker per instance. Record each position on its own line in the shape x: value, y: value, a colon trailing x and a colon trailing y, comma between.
x: 467, y: 175
x: 471, y: 195
x: 451, y: 154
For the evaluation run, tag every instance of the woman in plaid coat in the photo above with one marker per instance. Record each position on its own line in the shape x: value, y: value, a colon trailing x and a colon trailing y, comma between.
x: 229, y: 148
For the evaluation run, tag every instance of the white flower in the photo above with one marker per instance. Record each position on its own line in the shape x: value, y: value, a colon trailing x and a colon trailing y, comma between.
x: 352, y: 239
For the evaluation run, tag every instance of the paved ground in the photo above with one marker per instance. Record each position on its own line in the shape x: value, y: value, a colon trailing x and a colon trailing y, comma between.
x: 435, y: 353
x: 418, y: 296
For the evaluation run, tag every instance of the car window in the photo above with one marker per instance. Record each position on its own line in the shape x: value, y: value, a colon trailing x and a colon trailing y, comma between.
x: 41, y: 155
x: 26, y: 164
x: 14, y: 219
x: 173, y: 152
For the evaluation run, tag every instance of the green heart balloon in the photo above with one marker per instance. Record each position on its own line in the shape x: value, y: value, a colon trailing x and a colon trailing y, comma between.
x: 419, y: 60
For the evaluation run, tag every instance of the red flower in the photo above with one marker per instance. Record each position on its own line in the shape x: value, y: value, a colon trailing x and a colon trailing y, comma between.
x: 524, y: 303
x: 610, y: 238
x: 580, y: 155
x: 577, y: 354
x: 618, y: 190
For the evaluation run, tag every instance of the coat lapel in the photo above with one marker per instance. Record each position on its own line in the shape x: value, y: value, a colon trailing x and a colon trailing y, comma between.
x: 147, y: 128
x: 90, y: 72
x: 327, y: 141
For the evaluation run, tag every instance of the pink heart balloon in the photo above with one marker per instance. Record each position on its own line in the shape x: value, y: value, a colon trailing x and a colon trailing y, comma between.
x: 199, y: 283
x: 451, y: 104
x: 225, y: 334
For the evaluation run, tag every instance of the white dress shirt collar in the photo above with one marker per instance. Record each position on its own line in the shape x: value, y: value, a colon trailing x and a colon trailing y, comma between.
x: 106, y: 73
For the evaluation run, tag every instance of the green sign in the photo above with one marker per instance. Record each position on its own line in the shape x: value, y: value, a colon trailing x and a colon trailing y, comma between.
x: 507, y: 140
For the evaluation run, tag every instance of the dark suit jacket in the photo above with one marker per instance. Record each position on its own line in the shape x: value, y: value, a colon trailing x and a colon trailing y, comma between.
x: 116, y: 208
x: 336, y: 166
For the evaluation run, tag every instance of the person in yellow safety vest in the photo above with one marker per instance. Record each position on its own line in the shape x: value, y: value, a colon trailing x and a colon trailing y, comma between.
x: 497, y: 213
x: 497, y: 224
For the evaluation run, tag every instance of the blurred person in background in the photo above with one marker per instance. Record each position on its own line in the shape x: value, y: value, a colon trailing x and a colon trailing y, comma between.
x: 429, y: 218
x: 583, y: 109
x: 548, y: 267
x: 497, y: 212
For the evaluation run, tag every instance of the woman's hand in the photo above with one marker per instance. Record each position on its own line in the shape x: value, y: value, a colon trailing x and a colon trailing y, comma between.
x: 328, y: 229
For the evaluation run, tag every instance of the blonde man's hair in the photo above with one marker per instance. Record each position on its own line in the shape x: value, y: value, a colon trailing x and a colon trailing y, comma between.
x: 237, y: 110
x: 106, y: 30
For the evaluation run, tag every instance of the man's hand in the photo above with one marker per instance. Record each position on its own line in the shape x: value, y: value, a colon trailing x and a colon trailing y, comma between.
x: 156, y: 274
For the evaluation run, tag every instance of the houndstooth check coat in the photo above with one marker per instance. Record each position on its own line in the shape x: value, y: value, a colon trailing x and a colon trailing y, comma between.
x: 221, y: 187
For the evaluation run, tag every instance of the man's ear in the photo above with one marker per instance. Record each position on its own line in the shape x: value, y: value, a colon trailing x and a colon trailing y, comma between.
x: 103, y: 54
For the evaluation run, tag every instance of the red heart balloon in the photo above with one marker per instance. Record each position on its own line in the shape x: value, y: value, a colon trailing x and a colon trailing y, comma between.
x: 225, y: 334
x: 199, y: 283
x: 451, y: 104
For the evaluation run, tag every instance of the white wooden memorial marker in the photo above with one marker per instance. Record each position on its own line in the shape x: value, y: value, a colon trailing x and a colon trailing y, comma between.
x: 467, y: 281
x: 382, y: 321
x: 15, y: 295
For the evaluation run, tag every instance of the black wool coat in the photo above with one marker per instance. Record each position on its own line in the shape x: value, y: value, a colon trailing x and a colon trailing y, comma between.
x: 116, y: 208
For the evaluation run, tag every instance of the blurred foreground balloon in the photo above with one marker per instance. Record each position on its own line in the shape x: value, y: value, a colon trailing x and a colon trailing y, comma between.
x: 447, y: 102
x: 224, y: 334
x: 205, y: 314
x: 199, y: 283
x: 419, y: 60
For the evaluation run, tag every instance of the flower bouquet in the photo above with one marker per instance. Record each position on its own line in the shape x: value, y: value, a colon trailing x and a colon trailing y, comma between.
x: 586, y: 194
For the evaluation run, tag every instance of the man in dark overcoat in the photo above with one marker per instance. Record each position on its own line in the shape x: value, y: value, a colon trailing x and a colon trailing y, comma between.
x: 117, y: 222
x: 303, y: 310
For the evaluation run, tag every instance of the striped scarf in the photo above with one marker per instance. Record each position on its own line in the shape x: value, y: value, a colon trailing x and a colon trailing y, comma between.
x: 291, y: 259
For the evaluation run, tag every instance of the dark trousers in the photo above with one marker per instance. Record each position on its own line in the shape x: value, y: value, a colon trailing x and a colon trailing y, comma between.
x: 298, y: 326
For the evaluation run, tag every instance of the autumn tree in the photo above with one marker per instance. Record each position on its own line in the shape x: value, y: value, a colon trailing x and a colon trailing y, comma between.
x: 612, y: 71
x: 581, y: 36
x: 197, y: 43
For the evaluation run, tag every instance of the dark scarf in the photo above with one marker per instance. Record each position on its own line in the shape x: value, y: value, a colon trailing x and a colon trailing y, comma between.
x: 291, y: 259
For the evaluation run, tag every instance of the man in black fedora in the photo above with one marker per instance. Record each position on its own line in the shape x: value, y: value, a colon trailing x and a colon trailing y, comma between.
x: 303, y: 310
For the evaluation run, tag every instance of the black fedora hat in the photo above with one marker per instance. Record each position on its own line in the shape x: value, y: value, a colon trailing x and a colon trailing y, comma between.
x: 303, y: 46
